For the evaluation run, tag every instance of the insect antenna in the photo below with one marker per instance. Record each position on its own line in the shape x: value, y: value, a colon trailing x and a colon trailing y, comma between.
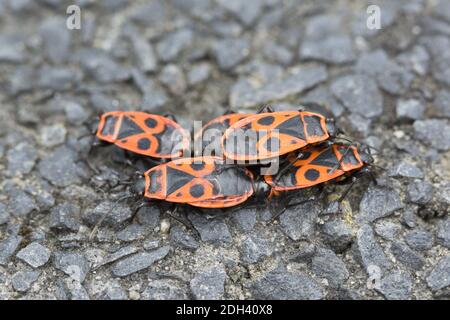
x: 265, y: 108
x: 126, y: 182
x: 377, y: 166
x: 99, y: 222
x: 288, y: 166
x: 341, y: 159
x: 359, y: 142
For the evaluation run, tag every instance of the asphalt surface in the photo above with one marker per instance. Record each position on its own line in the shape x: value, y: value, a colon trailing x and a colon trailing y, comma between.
x: 388, y: 87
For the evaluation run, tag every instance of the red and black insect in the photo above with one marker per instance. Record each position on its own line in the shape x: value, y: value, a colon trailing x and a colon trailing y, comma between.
x: 319, y: 164
x: 212, y: 132
x: 206, y: 182
x: 269, y: 135
x: 142, y: 133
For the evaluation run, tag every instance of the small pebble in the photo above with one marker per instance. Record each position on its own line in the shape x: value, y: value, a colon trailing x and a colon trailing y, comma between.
x: 35, y: 254
x: 165, y: 226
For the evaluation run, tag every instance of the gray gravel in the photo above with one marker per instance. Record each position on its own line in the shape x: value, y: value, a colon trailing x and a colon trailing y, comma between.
x: 7, y: 248
x: 20, y: 203
x: 378, y: 203
x: 245, y: 219
x: 35, y: 254
x: 420, y: 192
x: 22, y: 280
x: 439, y: 277
x: 183, y: 239
x: 326, y: 264
x: 208, y: 283
x: 164, y: 290
x: 138, y: 262
x: 21, y: 158
x: 443, y: 233
x: 419, y: 240
x: 410, y: 109
x: 406, y: 169
x: 359, y: 94
x: 197, y: 59
x: 74, y: 265
x: 280, y: 284
x: 300, y: 222
x: 368, y: 250
x: 213, y: 230
x: 337, y: 234
x: 254, y: 248
x: 396, y: 286
x: 407, y: 256
x: 65, y: 217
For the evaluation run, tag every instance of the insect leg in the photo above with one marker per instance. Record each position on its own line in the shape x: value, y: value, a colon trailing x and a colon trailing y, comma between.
x: 287, y: 167
x: 141, y: 205
x: 372, y: 177
x: 219, y: 170
x: 102, y: 218
x: 139, y: 160
x: 279, y: 213
x: 312, y: 106
x: 184, y: 221
x: 180, y: 220
x: 265, y: 108
x: 289, y: 205
x: 347, y: 190
x: 370, y: 147
x: 228, y: 111
x: 341, y: 159
x: 171, y: 116
x: 92, y: 167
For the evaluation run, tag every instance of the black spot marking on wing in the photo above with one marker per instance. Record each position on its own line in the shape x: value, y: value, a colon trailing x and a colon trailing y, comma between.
x: 108, y: 127
x: 266, y: 121
x: 128, y: 128
x: 176, y: 179
x: 143, y: 144
x: 313, y: 126
x: 226, y: 123
x: 293, y: 127
x: 151, y: 123
x: 197, y: 190
x: 326, y: 159
x: 312, y: 174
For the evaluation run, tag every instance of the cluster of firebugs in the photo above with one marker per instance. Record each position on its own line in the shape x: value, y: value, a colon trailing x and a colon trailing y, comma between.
x: 304, y: 143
